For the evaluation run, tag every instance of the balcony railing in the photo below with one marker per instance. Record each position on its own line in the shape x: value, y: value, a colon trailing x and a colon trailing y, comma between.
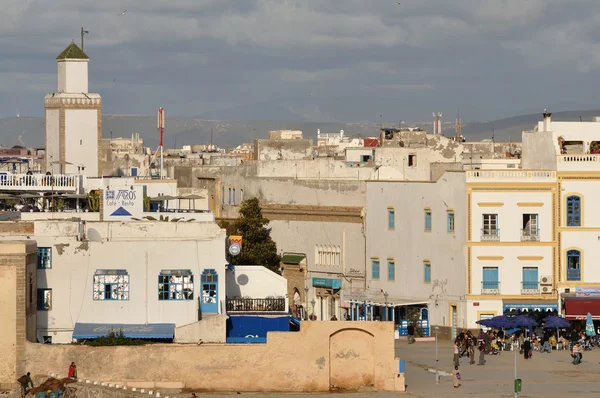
x: 530, y: 288
x: 530, y: 235
x: 490, y: 234
x: 39, y: 182
x: 256, y: 305
x: 490, y: 287
x: 573, y: 274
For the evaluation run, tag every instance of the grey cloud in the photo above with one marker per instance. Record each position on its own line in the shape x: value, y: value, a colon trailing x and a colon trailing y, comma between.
x: 352, y: 58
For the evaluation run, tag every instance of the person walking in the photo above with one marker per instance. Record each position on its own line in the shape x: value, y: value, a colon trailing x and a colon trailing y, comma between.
x: 456, y: 377
x: 577, y: 355
x: 481, y: 353
x: 471, y: 352
x: 526, y: 348
x: 72, y: 371
x: 456, y: 350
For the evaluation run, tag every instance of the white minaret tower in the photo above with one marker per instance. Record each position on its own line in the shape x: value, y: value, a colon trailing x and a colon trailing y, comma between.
x: 73, y: 118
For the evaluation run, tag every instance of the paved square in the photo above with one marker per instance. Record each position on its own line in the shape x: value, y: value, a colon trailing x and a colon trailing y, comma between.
x: 545, y: 375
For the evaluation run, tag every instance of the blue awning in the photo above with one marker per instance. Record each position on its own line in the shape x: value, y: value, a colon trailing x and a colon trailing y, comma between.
x: 150, y: 331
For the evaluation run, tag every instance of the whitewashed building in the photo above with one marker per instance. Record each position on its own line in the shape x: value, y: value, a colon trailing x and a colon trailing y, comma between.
x: 416, y: 249
x: 133, y: 273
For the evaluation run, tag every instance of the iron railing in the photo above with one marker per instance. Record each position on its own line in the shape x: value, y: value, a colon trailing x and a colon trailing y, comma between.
x: 255, y: 305
x: 530, y: 235
x: 574, y: 274
x: 530, y: 288
x: 490, y: 234
x: 490, y: 287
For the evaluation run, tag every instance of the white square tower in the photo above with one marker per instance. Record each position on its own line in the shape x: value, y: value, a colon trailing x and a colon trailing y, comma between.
x: 73, y: 118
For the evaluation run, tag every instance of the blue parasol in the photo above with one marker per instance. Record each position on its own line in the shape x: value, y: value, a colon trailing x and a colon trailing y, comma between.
x: 589, y: 325
x: 556, y: 322
x: 500, y: 321
x: 524, y: 321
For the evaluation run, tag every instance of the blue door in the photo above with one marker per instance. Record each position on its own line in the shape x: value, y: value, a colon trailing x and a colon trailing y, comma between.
x: 209, y: 303
x: 134, y: 171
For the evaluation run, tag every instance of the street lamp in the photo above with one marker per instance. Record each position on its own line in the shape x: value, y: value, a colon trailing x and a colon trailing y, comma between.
x: 385, y: 295
x: 306, y: 303
x: 436, y: 328
x: 313, y: 306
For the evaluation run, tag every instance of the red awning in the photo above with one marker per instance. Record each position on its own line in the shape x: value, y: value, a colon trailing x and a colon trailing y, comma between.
x: 578, y: 308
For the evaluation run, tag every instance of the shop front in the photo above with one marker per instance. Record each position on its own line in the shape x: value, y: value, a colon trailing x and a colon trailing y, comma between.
x: 584, y: 301
x: 538, y: 310
x: 328, y: 298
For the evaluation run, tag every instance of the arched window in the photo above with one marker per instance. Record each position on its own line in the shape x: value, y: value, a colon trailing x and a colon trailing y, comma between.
x: 573, y: 265
x: 573, y: 211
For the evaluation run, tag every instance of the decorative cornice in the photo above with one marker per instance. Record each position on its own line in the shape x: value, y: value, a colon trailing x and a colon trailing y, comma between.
x: 530, y: 204
x: 73, y: 102
x: 490, y: 258
x: 530, y: 258
x: 490, y: 204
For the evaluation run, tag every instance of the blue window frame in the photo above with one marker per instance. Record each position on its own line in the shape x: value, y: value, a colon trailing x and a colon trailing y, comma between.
x: 427, y: 220
x: 175, y: 285
x: 391, y: 219
x: 426, y: 272
x: 210, y: 291
x: 573, y: 265
x: 490, y: 278
x: 375, y: 269
x: 134, y: 171
x: 450, y: 221
x: 530, y: 278
x: 44, y: 257
x: 111, y: 284
x: 573, y: 211
x: 391, y: 270
x: 44, y: 299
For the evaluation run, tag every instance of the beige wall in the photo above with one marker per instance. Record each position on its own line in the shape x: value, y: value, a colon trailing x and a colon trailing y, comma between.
x: 17, y: 306
x: 321, y: 354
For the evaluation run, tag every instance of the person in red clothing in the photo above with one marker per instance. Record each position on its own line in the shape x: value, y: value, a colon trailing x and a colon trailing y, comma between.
x: 73, y: 371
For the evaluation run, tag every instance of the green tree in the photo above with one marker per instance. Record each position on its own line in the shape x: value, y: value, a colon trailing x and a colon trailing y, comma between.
x: 257, y: 245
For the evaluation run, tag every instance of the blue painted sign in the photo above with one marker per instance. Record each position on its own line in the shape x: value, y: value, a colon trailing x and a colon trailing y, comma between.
x: 121, y: 203
x: 327, y: 283
x: 531, y: 307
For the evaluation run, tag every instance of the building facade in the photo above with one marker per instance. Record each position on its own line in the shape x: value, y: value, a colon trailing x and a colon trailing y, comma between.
x: 126, y: 273
x: 511, y: 242
x: 416, y: 250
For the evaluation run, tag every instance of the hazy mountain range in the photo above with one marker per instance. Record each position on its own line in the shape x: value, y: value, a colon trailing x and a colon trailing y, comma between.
x: 236, y: 126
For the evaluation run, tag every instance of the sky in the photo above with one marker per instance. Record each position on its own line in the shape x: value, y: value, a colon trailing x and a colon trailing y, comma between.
x: 323, y: 60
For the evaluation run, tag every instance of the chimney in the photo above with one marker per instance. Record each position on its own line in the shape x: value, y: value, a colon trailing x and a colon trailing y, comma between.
x: 547, y: 120
x: 341, y: 133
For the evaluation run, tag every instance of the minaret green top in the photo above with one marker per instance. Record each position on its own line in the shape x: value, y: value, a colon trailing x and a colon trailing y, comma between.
x: 72, y: 52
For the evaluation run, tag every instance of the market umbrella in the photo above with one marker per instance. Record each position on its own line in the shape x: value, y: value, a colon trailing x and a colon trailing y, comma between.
x: 502, y: 321
x: 556, y: 322
x: 524, y: 321
x: 484, y: 322
x: 589, y: 325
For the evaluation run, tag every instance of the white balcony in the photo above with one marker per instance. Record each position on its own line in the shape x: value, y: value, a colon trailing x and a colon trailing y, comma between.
x: 578, y: 162
x: 490, y: 288
x: 39, y: 182
x: 498, y: 176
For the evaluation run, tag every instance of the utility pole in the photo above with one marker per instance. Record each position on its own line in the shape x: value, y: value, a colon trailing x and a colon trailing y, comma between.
x: 83, y: 32
x: 161, y: 128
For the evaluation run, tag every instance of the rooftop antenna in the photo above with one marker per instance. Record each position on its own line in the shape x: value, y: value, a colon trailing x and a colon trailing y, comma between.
x: 458, y: 127
x: 83, y: 32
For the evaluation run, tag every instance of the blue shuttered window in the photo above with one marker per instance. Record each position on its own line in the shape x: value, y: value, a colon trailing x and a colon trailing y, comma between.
x: 450, y: 222
x: 391, y: 270
x: 573, y: 265
x: 391, y: 219
x: 530, y: 278
x: 426, y: 272
x: 573, y: 211
x: 490, y: 278
x: 44, y: 257
x: 375, y: 269
x: 428, y: 220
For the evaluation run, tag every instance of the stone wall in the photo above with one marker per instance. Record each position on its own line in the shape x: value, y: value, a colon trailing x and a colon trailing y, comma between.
x: 322, y: 354
x: 18, y: 289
